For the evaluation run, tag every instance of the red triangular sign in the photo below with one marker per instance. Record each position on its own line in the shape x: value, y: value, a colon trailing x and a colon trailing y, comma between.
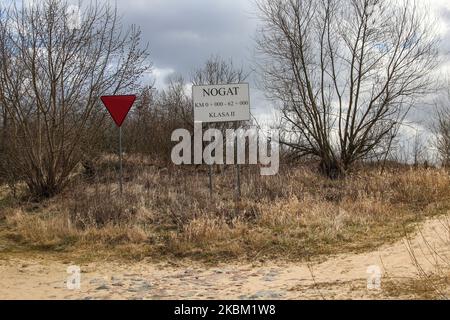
x: 118, y: 107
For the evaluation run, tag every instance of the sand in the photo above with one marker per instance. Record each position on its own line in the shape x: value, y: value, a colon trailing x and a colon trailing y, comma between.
x: 342, y: 276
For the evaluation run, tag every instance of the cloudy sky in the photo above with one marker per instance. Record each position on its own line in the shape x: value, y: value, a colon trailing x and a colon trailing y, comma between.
x: 182, y: 34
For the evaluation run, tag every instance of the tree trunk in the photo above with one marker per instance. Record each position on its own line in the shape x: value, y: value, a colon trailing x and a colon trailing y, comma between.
x: 332, y: 169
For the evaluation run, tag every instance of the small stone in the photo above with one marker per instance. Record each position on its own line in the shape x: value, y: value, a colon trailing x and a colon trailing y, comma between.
x: 145, y: 286
x: 103, y: 287
x: 117, y: 284
x: 96, y: 281
x: 265, y: 294
x: 136, y: 279
x: 131, y: 275
x: 188, y: 294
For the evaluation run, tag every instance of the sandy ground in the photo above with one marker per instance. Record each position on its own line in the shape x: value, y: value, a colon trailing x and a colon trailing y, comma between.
x: 338, y: 277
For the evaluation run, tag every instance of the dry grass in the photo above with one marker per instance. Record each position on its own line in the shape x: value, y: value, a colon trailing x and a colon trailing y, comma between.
x: 431, y: 288
x: 432, y: 266
x: 166, y: 213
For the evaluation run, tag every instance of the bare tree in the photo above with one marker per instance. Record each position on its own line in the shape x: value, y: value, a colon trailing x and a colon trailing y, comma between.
x: 442, y: 129
x: 346, y: 71
x: 217, y: 70
x: 418, y: 150
x: 176, y: 103
x: 156, y: 115
x: 52, y: 73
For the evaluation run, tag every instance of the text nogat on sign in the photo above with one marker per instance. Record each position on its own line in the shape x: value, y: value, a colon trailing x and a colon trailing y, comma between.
x: 221, y: 103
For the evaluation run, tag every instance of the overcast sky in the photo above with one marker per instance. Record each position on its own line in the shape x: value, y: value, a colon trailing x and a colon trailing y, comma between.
x: 182, y: 34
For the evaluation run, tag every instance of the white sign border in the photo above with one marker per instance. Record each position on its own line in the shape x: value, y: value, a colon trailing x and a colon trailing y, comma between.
x: 223, y: 84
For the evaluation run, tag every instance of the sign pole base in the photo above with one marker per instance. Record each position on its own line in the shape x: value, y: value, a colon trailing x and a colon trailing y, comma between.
x: 238, y: 181
x: 120, y: 160
x: 210, y: 184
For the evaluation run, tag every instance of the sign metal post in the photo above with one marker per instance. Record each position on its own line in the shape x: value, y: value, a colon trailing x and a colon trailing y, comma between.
x: 222, y: 103
x: 120, y: 160
x: 238, y: 176
x: 119, y: 107
x: 210, y: 184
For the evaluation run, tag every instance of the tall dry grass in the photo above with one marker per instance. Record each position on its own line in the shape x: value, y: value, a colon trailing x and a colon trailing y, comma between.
x: 167, y: 212
x: 430, y: 255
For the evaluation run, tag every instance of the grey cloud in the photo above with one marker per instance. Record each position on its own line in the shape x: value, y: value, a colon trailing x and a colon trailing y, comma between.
x: 182, y: 34
x: 445, y: 16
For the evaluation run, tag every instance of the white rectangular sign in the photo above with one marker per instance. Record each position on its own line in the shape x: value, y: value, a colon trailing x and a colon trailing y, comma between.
x: 221, y: 103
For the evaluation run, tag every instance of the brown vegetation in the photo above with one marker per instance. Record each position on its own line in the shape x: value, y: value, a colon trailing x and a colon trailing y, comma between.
x: 51, y: 78
x: 346, y: 72
x: 431, y: 259
x: 167, y: 213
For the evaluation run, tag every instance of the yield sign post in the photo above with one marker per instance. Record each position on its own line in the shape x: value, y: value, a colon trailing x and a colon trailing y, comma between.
x: 119, y: 107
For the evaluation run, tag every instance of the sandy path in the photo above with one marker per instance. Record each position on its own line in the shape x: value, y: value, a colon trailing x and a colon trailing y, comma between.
x: 342, y: 276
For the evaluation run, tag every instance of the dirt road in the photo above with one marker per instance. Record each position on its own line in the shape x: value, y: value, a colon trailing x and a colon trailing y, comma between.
x: 339, y: 277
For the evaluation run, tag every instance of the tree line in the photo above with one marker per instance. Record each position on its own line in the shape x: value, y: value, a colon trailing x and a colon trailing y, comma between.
x: 345, y: 73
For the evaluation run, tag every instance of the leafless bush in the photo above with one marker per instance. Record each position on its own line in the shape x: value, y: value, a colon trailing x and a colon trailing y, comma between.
x: 347, y: 72
x: 442, y: 128
x: 293, y: 215
x: 428, y: 250
x: 51, y: 78
x: 217, y: 70
x: 100, y: 206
